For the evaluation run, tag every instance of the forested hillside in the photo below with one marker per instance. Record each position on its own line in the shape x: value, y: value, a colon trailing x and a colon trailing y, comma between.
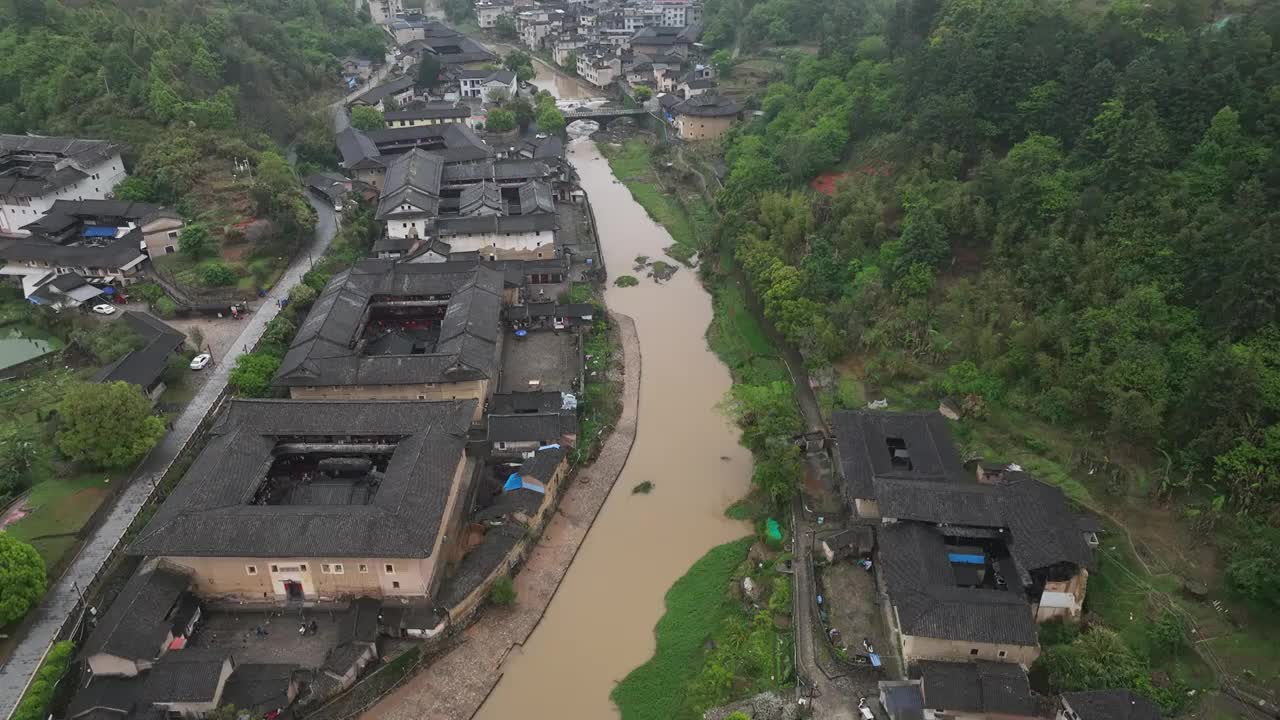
x: 188, y: 87
x: 1068, y: 209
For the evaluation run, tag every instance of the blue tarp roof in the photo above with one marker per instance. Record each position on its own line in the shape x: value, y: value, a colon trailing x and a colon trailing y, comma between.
x: 99, y: 231
x: 516, y: 482
x: 967, y: 558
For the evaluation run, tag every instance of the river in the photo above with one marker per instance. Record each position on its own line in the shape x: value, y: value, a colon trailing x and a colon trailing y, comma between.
x: 600, y: 623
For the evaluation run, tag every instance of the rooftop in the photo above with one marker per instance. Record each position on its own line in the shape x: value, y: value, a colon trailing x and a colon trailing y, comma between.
x: 978, y: 688
x: 430, y: 111
x: 185, y: 676
x: 135, y: 625
x: 1111, y: 705
x: 224, y: 506
x: 414, y: 180
x: 452, y: 307
x: 914, y: 446
x: 35, y: 165
x: 708, y: 105
x: 953, y: 593
x: 144, y: 366
x: 386, y: 90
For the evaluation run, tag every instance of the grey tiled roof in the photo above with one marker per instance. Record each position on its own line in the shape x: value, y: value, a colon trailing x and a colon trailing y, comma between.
x: 922, y: 587
x: 135, y: 626
x: 43, y: 177
x: 357, y: 150
x: 1119, y: 704
x: 116, y: 695
x: 189, y: 675
x: 514, y: 501
x: 513, y: 402
x: 413, y: 179
x: 209, y: 513
x: 326, y: 350
x: 144, y: 366
x: 386, y: 90
x: 453, y: 142
x: 480, y: 196
x: 113, y: 254
x: 525, y: 427
x: 259, y: 688
x: 535, y: 196
x: 479, y: 563
x: 978, y: 688
x: 430, y: 111
x: 708, y: 105
x: 538, y: 222
x: 864, y: 455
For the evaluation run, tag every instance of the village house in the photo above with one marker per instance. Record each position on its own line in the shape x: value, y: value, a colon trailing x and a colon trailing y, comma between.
x: 367, y: 155
x: 655, y: 40
x: 486, y: 84
x: 432, y: 113
x: 599, y: 66
x: 487, y: 13
x: 145, y: 367
x: 152, y: 612
x: 398, y: 91
x: 1119, y: 704
x: 319, y: 501
x: 706, y: 116
x: 400, y: 331
x: 385, y: 11
x: 697, y: 81
x: 515, y: 434
x: 565, y: 44
x: 970, y: 563
x: 37, y: 171
x: 960, y: 691
x: 410, y: 199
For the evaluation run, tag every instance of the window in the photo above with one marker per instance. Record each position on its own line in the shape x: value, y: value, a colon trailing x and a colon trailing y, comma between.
x: 251, y: 569
x: 395, y: 585
x: 364, y: 568
x: 389, y: 568
x: 338, y: 569
x: 173, y: 234
x: 303, y: 567
x: 1003, y: 653
x: 973, y: 651
x: 275, y: 568
x: 326, y: 568
x: 168, y: 250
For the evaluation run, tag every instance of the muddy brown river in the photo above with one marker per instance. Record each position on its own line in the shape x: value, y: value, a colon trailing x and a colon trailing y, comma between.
x: 600, y: 623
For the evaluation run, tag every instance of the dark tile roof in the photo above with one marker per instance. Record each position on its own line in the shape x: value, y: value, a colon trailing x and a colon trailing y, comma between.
x: 327, y: 349
x: 189, y: 675
x: 921, y: 585
x: 210, y: 512
x: 517, y: 402
x: 525, y: 427
x: 412, y: 179
x: 63, y: 214
x: 386, y: 90
x: 357, y: 150
x: 483, y: 195
x: 538, y: 222
x: 118, y: 695
x: 144, y: 366
x: 1111, y: 705
x: 708, y: 105
x: 859, y: 536
x: 975, y: 688
x: 479, y: 563
x: 506, y: 77
x: 861, y: 438
x: 535, y: 197
x: 430, y: 111
x: 342, y: 657
x: 508, y: 503
x: 35, y: 168
x: 259, y: 688
x: 114, y: 253
x: 534, y: 310
x: 902, y: 700
x: 135, y: 626
x: 452, y: 142
x: 544, y: 462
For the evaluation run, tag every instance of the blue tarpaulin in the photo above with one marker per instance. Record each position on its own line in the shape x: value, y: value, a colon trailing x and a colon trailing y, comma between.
x: 515, y: 481
x: 966, y: 559
x: 99, y: 231
x: 875, y: 659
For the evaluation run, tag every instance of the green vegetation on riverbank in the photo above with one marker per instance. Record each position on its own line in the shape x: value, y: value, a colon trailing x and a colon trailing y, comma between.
x: 711, y: 645
x: 688, y: 220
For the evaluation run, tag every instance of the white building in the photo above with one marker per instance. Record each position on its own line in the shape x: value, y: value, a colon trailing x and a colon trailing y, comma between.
x: 484, y: 83
x: 487, y: 13
x: 383, y: 11
x: 37, y: 171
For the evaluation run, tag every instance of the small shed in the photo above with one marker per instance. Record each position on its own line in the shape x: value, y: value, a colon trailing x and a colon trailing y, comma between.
x: 855, y: 541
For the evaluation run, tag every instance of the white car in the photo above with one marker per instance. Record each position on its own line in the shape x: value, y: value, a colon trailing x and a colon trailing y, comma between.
x: 104, y: 309
x: 200, y: 361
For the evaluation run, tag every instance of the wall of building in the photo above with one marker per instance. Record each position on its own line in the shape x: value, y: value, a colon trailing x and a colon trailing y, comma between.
x: 16, y: 211
x: 408, y: 225
x: 417, y: 122
x: 261, y: 580
x: 923, y: 648
x: 702, y: 128
x: 161, y: 236
x: 516, y: 246
x: 467, y: 389
x: 373, y: 176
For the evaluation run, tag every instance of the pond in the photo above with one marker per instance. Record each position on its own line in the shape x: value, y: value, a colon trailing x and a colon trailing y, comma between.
x: 17, y: 348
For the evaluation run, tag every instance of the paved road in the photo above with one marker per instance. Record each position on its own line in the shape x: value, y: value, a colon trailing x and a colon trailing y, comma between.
x: 60, y: 602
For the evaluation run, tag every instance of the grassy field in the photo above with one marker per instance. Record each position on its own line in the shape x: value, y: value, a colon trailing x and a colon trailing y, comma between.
x: 735, y: 335
x: 696, y: 607
x: 688, y: 220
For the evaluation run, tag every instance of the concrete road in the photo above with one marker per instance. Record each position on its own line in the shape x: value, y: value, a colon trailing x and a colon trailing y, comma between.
x: 60, y: 601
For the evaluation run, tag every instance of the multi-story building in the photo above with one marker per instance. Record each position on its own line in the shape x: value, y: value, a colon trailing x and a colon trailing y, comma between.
x: 599, y: 65
x: 37, y: 171
x: 384, y: 11
x: 487, y: 13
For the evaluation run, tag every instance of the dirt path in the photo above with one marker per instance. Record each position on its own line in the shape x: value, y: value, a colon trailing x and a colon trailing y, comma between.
x: 457, y: 684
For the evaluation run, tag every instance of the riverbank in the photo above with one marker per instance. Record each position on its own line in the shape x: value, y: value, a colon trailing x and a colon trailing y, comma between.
x: 457, y: 684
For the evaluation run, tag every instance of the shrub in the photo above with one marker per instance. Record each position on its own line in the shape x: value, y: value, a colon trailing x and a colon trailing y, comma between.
x: 302, y: 296
x: 217, y: 274
x: 107, y: 425
x: 503, y: 592
x: 500, y: 121
x: 165, y: 308
x: 35, y: 703
x: 625, y: 281
x: 643, y: 488
x: 253, y: 372
x: 22, y: 578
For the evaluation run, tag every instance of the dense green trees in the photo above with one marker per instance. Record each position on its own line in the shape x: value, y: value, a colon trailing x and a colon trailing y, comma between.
x: 428, y: 72
x: 22, y: 578
x: 364, y: 117
x: 107, y: 425
x: 1073, y: 210
x: 500, y: 120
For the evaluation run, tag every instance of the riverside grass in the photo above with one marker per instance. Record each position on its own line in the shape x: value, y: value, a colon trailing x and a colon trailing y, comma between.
x: 697, y: 605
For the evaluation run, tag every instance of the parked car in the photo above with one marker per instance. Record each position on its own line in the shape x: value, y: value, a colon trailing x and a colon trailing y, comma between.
x: 104, y: 309
x: 200, y: 361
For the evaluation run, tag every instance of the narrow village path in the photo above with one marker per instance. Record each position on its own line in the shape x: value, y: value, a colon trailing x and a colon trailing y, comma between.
x: 454, y: 686
x: 44, y: 623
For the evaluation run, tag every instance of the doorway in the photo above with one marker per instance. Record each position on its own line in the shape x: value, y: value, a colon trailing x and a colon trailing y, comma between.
x: 293, y: 590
